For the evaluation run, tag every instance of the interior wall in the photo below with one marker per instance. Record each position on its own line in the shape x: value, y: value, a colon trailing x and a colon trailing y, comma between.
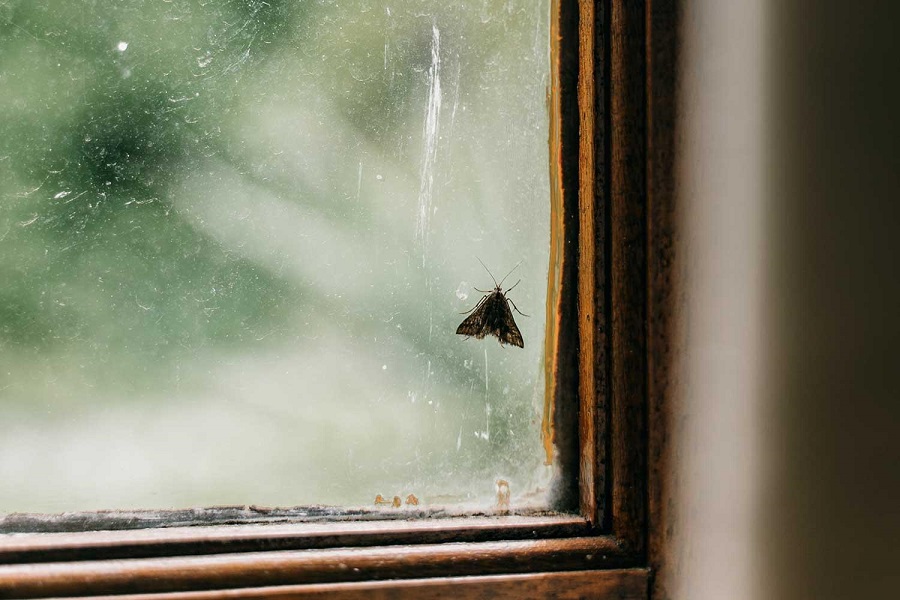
x: 829, y: 521
x: 719, y: 169
x: 786, y: 417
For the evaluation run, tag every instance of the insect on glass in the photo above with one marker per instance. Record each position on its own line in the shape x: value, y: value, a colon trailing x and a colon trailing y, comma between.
x: 492, y: 316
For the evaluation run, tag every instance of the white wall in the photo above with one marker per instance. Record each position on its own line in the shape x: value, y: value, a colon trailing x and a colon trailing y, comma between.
x: 721, y: 171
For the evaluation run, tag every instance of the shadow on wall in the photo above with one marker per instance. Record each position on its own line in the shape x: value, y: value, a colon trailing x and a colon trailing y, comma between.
x: 789, y: 419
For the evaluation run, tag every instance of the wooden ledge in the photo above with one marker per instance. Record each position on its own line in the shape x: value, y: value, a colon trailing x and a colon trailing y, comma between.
x: 623, y: 584
x: 180, y: 541
x: 255, y: 569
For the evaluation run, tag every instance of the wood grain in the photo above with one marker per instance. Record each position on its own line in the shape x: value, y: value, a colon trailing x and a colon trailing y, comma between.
x: 557, y: 244
x: 186, y: 541
x: 612, y: 267
x: 665, y: 331
x: 308, y: 566
x: 564, y: 395
x: 628, y: 271
x: 623, y: 584
x: 592, y: 263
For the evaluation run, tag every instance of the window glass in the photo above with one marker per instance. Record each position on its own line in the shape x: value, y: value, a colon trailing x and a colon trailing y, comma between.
x: 236, y: 238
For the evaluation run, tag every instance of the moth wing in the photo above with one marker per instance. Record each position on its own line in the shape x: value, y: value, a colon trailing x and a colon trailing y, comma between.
x: 474, y: 324
x: 513, y: 336
x: 510, y: 333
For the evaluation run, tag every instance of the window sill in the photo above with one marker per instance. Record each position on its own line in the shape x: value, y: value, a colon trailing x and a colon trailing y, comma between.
x: 187, y: 559
x: 624, y: 584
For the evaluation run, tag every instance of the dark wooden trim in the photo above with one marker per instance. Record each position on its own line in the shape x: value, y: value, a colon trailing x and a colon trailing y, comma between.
x: 628, y: 271
x: 188, y: 541
x: 116, y: 520
x: 624, y: 584
x: 309, y: 566
x: 593, y: 378
x: 563, y: 349
x: 612, y: 267
x: 665, y: 334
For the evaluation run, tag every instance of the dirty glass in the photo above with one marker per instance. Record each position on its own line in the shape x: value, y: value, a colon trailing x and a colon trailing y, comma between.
x: 236, y: 240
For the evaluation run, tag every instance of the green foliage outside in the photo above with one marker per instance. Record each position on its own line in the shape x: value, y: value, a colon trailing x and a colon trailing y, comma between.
x: 212, y: 288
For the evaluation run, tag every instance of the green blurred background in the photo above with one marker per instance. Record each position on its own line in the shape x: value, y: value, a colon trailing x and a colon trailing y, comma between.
x: 235, y: 240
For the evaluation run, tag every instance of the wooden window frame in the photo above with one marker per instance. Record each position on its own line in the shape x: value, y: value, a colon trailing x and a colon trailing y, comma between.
x: 611, y: 150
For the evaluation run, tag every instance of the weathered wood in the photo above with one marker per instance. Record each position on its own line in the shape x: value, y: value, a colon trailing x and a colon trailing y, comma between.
x: 628, y: 271
x: 623, y: 584
x: 592, y: 263
x: 610, y: 246
x: 106, y: 520
x: 563, y: 401
x: 557, y: 237
x: 665, y: 332
x: 186, y: 541
x: 308, y: 566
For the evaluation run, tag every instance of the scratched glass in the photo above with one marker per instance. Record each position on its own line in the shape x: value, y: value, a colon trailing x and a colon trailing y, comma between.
x: 235, y: 242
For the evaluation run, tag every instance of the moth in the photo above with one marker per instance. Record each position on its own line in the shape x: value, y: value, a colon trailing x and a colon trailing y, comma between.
x: 492, y: 316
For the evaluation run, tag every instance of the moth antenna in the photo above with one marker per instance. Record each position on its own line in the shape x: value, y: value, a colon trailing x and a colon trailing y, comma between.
x: 514, y: 285
x: 488, y: 271
x: 517, y: 308
x: 510, y: 273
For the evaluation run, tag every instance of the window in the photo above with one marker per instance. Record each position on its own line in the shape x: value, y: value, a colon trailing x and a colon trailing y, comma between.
x: 266, y: 217
x: 597, y: 543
